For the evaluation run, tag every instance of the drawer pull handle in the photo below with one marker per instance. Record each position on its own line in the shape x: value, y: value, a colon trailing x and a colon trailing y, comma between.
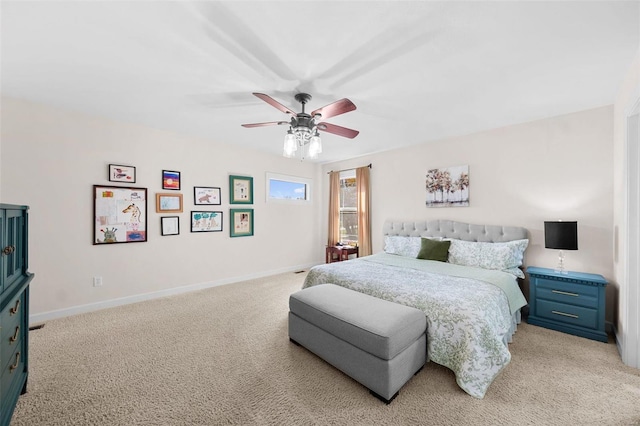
x: 15, y: 365
x: 14, y: 310
x: 565, y: 314
x: 566, y: 293
x: 8, y: 250
x: 15, y: 335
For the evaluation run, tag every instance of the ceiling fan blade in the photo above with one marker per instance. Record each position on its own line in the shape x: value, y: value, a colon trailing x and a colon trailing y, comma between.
x: 268, y: 99
x: 338, y: 130
x: 269, y: 123
x: 335, y: 108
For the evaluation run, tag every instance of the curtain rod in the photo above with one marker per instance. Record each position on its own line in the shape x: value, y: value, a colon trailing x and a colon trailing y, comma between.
x: 344, y: 170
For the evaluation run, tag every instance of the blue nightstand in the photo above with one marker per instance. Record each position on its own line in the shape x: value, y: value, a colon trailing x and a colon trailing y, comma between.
x: 570, y: 302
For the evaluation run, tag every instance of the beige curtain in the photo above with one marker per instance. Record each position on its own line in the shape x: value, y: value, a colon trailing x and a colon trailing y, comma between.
x: 334, y: 209
x: 364, y: 211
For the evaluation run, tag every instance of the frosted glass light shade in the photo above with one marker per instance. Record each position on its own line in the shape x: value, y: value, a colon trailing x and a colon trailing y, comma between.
x: 290, y: 145
x: 315, y: 146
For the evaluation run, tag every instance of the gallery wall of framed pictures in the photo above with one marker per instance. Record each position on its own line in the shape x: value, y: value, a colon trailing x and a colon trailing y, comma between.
x: 120, y: 212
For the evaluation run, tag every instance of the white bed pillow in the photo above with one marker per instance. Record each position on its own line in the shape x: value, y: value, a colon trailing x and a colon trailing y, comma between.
x: 402, y: 246
x: 516, y: 272
x: 498, y: 256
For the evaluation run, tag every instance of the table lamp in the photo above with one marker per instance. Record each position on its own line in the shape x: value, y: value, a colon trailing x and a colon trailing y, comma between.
x: 561, y: 236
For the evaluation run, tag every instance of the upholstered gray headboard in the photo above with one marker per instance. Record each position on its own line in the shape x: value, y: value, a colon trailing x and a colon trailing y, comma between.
x: 457, y: 230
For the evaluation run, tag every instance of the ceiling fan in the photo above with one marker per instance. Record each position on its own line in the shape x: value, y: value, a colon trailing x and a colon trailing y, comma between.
x: 304, y: 127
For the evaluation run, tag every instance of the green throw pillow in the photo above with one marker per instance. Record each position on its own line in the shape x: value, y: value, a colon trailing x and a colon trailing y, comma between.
x: 434, y: 250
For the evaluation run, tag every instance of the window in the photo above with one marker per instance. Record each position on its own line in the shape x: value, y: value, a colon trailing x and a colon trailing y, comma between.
x: 348, y: 207
x: 288, y: 188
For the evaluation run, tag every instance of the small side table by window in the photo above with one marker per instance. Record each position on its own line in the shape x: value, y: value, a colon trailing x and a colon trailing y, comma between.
x: 341, y: 253
x: 571, y: 302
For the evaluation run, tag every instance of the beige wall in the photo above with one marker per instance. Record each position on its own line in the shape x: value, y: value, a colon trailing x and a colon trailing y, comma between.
x: 50, y: 160
x: 557, y: 168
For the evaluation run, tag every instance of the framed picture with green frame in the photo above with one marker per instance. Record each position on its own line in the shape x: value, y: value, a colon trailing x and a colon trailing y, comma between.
x: 240, y: 189
x: 241, y: 222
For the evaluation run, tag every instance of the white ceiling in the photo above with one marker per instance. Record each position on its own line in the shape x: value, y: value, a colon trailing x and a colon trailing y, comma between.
x: 417, y: 71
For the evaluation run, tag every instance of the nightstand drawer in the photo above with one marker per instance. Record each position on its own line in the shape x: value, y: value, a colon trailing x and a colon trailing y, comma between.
x: 573, y: 294
x: 568, y: 314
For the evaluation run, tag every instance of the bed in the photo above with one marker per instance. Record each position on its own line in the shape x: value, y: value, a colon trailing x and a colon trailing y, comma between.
x: 472, y: 301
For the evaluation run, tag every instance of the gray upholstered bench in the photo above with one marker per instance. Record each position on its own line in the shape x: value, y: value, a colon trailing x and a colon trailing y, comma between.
x: 380, y: 344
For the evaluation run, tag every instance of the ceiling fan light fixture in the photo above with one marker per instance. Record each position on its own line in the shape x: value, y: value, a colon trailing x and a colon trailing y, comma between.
x: 304, y: 127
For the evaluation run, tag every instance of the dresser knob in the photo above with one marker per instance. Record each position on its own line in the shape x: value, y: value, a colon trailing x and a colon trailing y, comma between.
x: 8, y: 250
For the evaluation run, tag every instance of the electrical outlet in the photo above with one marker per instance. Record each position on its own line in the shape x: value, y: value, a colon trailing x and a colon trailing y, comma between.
x: 97, y: 281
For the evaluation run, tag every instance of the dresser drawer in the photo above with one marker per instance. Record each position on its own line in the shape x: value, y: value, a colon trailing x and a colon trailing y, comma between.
x: 13, y: 310
x: 12, y: 378
x: 568, y: 314
x: 564, y: 292
x: 11, y: 342
x: 12, y: 330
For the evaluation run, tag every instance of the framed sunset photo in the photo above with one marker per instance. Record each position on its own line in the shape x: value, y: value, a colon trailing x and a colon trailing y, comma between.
x: 170, y: 180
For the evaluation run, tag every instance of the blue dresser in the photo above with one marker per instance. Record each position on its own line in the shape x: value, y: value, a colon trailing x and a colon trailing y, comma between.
x: 571, y: 302
x: 14, y: 307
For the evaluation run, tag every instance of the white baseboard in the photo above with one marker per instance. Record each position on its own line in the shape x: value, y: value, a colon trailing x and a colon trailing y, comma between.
x: 36, y: 319
x: 614, y: 330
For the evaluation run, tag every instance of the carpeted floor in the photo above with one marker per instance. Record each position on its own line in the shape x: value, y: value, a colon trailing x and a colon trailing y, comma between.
x: 222, y: 356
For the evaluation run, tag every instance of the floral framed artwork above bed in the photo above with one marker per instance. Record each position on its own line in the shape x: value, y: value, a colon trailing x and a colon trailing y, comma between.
x: 448, y: 187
